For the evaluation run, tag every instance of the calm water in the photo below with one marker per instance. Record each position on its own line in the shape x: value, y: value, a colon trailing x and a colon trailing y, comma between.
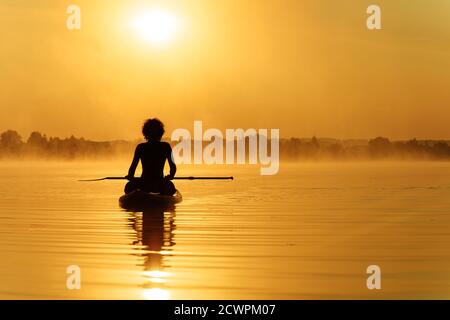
x: 309, y: 232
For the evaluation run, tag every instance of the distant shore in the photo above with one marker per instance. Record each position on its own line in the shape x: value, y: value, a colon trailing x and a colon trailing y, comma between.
x: 39, y: 146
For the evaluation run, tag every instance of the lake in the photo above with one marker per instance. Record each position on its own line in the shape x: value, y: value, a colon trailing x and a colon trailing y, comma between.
x: 309, y: 232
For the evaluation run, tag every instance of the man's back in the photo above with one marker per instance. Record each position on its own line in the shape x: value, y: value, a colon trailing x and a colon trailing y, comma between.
x: 153, y: 155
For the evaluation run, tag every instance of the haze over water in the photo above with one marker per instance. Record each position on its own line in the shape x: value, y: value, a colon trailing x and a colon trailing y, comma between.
x: 309, y: 232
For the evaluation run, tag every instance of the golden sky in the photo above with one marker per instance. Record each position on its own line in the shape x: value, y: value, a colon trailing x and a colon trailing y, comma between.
x: 306, y: 67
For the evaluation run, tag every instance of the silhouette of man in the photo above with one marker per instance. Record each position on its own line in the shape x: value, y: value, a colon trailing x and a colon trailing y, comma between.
x: 153, y: 155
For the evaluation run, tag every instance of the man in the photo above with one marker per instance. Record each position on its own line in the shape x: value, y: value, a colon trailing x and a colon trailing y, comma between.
x: 153, y: 155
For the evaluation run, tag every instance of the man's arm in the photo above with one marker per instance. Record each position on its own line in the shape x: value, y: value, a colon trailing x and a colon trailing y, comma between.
x: 134, y: 163
x: 172, y: 165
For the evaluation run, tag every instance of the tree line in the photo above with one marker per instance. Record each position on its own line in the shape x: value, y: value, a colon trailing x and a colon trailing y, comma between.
x: 38, y: 145
x: 379, y: 148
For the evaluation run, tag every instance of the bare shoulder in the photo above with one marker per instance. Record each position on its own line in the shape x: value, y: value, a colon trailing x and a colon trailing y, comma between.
x: 140, y: 147
x: 167, y: 148
x: 166, y: 145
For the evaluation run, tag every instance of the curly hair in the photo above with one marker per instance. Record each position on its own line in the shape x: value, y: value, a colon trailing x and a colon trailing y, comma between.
x: 153, y: 129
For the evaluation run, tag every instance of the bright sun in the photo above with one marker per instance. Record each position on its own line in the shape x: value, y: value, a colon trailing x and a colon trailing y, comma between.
x: 156, y: 26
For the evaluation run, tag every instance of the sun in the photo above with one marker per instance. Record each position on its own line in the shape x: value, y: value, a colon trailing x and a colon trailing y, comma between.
x: 156, y: 26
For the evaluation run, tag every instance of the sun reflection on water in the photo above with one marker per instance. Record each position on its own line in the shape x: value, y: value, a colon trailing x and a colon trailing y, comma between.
x: 156, y: 276
x: 156, y: 294
x: 154, y: 230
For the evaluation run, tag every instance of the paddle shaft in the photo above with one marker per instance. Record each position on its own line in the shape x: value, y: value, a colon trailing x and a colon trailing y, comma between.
x: 175, y: 178
x: 203, y: 178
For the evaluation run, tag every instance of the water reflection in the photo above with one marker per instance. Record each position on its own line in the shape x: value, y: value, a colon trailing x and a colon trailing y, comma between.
x: 154, y: 228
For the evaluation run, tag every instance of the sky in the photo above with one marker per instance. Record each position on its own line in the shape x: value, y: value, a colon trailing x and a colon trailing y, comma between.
x: 305, y: 67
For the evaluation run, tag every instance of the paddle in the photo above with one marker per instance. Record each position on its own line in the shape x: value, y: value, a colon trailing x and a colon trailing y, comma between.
x: 175, y: 178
